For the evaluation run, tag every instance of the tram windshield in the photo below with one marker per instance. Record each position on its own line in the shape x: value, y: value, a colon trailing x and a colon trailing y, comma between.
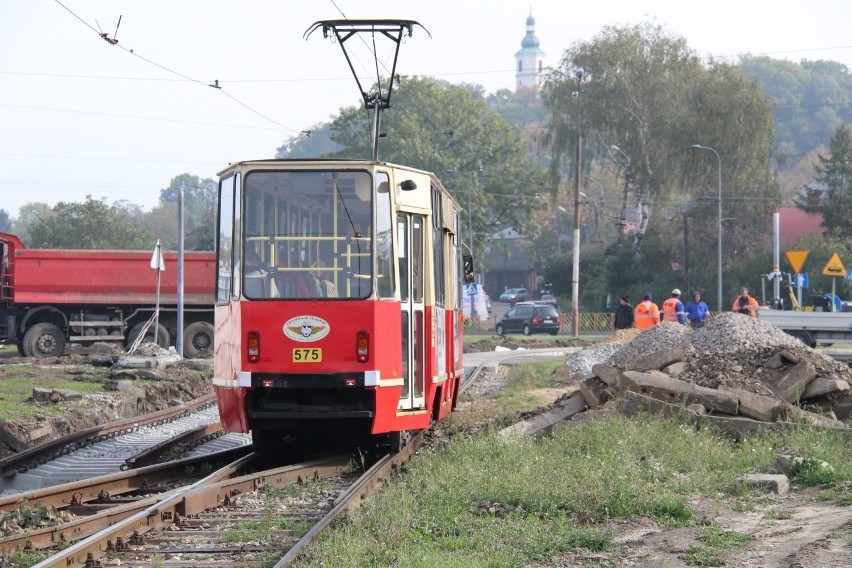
x: 307, y: 234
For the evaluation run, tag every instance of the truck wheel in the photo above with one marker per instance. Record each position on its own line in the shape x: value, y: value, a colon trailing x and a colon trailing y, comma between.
x: 44, y: 340
x: 163, y: 339
x: 197, y: 339
x: 804, y: 337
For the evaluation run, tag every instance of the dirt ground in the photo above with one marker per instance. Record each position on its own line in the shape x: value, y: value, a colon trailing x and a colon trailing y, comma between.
x: 127, y: 392
x: 796, y: 530
x: 793, y: 531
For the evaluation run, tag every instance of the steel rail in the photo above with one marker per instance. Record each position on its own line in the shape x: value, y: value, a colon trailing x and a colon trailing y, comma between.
x: 103, y: 487
x: 151, y: 455
x: 353, y: 496
x: 130, y: 521
x: 20, y: 462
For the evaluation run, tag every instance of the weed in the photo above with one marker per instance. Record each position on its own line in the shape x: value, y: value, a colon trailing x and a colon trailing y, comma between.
x: 25, y: 560
x: 778, y: 515
x: 724, y: 539
x: 486, y: 500
x: 701, y: 556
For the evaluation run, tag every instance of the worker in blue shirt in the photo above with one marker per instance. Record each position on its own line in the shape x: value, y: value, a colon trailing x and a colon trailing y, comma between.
x: 697, y: 311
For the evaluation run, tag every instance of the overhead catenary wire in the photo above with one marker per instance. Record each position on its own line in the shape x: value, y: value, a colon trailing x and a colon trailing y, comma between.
x: 215, y: 84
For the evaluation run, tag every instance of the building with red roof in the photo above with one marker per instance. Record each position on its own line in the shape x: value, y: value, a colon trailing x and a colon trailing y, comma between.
x: 795, y: 223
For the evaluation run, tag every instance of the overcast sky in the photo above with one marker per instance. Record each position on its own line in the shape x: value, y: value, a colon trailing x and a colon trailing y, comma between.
x: 79, y: 116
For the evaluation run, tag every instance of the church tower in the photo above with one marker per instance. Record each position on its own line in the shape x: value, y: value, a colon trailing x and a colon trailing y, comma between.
x: 530, y: 60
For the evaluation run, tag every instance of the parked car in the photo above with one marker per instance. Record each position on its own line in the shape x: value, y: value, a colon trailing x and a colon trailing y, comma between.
x: 529, y: 318
x: 513, y: 295
x: 549, y: 300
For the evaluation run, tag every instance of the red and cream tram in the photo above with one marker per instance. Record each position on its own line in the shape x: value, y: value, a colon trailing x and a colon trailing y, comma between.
x: 338, y: 308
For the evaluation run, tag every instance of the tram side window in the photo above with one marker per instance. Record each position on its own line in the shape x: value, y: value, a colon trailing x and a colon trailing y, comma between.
x: 225, y: 245
x: 418, y: 260
x: 386, y: 285
x: 438, y: 244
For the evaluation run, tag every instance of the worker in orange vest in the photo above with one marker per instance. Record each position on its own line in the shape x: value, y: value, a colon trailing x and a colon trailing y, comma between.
x: 745, y: 304
x: 646, y: 314
x: 673, y: 310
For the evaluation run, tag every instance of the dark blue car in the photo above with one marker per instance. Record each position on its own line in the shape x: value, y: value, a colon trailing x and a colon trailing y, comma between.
x: 529, y: 318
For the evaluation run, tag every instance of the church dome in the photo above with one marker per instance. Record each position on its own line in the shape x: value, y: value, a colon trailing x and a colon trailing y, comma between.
x: 530, y: 40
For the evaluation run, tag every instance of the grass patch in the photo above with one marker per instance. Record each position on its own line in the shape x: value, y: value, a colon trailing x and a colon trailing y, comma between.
x: 519, y: 394
x: 16, y: 391
x: 718, y: 541
x: 522, y: 393
x: 485, y: 500
x: 723, y: 539
x: 273, y: 528
x: 26, y: 560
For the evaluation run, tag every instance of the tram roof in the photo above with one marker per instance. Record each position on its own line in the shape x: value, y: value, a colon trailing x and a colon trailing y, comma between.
x: 346, y: 163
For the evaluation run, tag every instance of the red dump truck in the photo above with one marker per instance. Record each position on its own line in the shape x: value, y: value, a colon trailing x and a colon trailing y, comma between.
x: 52, y: 297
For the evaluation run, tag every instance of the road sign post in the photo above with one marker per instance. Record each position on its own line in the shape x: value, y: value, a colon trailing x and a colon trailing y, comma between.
x: 834, y: 268
x: 158, y: 264
x: 796, y: 258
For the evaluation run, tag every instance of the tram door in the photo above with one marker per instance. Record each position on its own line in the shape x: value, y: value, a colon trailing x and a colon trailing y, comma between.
x: 411, y: 232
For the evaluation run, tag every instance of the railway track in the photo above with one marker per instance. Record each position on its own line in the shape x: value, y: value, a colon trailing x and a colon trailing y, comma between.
x: 141, y: 518
x: 186, y: 525
x: 190, y: 429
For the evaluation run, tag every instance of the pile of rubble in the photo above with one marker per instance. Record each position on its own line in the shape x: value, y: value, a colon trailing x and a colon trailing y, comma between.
x: 735, y: 366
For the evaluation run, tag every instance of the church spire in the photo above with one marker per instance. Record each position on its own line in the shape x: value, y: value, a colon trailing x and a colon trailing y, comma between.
x: 530, y: 59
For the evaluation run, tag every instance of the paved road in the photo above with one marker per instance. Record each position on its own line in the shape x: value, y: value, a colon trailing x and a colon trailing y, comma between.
x: 510, y: 356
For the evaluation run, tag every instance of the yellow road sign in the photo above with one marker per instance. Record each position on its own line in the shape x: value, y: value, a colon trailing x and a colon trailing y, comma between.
x: 796, y: 258
x: 834, y: 267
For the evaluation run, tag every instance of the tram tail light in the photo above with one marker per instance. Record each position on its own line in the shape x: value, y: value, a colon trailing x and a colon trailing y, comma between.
x: 362, y: 346
x: 253, y: 346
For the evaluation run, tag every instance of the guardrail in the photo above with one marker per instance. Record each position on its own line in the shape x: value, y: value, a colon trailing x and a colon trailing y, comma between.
x: 595, y: 322
x: 591, y: 322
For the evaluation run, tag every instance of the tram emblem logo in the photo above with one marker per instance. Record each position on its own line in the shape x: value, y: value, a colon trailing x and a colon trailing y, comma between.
x: 306, y: 328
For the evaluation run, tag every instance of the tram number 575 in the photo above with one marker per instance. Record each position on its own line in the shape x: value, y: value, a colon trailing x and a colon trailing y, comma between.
x: 304, y: 355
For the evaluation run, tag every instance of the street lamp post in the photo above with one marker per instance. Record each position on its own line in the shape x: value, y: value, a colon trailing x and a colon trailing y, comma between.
x: 719, y: 258
x: 575, y: 273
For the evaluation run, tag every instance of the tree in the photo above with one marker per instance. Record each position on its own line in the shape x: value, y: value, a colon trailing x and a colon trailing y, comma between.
x: 313, y: 143
x: 647, y: 92
x: 834, y: 182
x: 199, y: 201
x: 449, y: 130
x: 808, y: 98
x: 522, y: 108
x: 5, y: 221
x: 89, y: 225
x: 28, y: 215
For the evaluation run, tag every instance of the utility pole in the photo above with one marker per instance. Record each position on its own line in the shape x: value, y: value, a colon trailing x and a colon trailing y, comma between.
x: 575, y: 273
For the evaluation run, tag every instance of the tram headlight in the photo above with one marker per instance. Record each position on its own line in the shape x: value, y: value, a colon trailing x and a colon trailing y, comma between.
x: 253, y: 346
x: 362, y: 346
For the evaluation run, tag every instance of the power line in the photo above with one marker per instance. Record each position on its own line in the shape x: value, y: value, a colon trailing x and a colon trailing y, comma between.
x: 114, y: 42
x: 137, y: 117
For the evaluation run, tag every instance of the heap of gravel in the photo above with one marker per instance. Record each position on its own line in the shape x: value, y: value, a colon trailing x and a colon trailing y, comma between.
x: 726, y: 333
x: 729, y: 332
x: 657, y: 338
x: 584, y: 359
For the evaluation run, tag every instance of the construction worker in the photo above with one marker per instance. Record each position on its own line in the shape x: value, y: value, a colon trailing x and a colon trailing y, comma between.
x: 745, y: 304
x: 673, y: 309
x: 697, y: 311
x: 646, y: 314
x: 622, y: 318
